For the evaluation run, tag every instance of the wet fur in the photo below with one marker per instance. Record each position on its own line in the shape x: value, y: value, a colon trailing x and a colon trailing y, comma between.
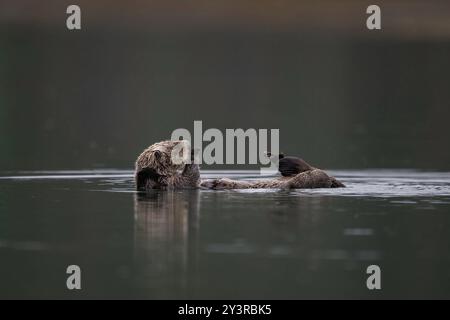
x: 314, y: 178
x: 154, y: 169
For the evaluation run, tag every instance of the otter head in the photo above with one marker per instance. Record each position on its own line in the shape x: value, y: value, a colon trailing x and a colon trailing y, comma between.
x: 164, y: 158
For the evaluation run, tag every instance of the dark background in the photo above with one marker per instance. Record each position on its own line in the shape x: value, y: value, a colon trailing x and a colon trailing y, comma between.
x: 342, y: 96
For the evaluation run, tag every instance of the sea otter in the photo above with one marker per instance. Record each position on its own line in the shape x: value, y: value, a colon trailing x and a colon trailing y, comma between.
x: 155, y: 169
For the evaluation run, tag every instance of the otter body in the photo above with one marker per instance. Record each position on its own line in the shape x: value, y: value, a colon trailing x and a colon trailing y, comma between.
x: 310, y: 179
x: 155, y: 168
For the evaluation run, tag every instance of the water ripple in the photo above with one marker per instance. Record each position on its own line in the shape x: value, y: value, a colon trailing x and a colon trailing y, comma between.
x: 360, y: 183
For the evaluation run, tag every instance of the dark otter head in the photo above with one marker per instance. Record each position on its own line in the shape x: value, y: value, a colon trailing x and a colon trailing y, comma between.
x: 290, y: 166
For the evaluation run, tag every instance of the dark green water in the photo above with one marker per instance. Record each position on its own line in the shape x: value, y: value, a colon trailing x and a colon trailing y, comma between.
x: 224, y: 244
x: 97, y: 98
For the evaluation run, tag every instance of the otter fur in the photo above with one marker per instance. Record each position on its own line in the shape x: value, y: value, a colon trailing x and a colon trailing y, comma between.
x: 310, y: 179
x: 155, y: 167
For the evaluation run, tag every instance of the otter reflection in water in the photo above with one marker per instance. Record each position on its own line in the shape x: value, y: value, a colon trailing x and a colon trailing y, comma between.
x: 166, y: 224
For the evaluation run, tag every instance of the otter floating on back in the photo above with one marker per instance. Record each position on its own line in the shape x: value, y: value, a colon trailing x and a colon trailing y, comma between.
x: 295, y: 174
x: 155, y: 169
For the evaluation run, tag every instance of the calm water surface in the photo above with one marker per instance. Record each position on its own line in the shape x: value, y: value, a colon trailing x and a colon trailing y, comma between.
x: 224, y: 244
